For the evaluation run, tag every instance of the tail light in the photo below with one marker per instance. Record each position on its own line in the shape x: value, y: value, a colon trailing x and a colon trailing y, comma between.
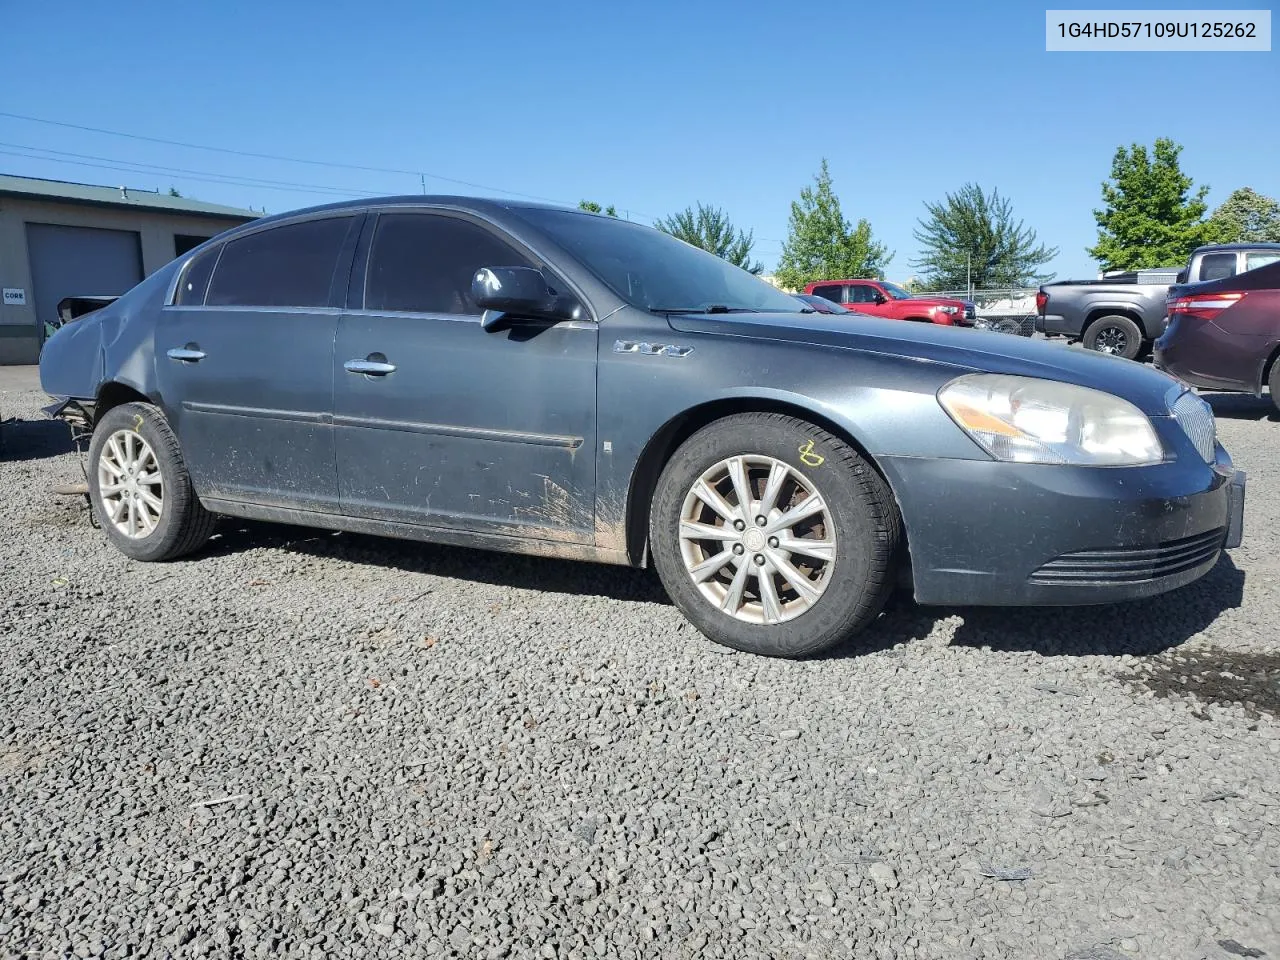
x: 1206, y: 305
x: 1042, y: 301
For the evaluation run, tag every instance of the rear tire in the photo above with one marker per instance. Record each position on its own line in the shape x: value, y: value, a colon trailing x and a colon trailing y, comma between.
x: 140, y: 488
x: 1115, y: 335
x: 809, y: 577
x: 1273, y: 384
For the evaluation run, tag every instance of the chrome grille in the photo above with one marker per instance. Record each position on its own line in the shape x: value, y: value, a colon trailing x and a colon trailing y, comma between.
x: 1196, y: 419
x: 1133, y: 564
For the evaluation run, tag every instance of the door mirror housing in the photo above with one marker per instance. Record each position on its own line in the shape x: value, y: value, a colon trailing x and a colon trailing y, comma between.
x: 506, y: 293
x: 878, y: 297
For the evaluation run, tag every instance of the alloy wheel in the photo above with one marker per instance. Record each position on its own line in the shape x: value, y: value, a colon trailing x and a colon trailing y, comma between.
x: 130, y: 484
x: 757, y: 539
x: 1112, y: 340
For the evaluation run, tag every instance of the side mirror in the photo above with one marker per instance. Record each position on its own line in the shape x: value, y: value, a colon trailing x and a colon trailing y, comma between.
x: 879, y: 297
x: 507, y: 292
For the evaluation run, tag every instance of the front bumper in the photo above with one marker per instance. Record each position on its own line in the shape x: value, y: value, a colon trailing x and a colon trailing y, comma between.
x: 985, y: 533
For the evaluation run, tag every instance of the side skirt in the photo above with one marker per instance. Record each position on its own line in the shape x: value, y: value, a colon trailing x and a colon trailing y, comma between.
x: 410, y: 531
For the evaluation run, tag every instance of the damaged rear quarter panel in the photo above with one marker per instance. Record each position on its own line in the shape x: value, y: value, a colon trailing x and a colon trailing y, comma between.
x: 114, y: 344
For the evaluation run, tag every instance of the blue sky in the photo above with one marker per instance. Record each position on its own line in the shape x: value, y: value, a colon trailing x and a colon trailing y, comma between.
x: 650, y: 106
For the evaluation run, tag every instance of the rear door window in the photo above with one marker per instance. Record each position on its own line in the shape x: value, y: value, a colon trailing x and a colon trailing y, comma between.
x: 1218, y: 266
x: 195, y: 279
x: 424, y: 263
x: 288, y: 266
x: 830, y: 292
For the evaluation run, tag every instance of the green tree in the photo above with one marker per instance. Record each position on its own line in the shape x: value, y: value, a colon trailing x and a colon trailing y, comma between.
x: 822, y: 244
x: 972, y: 235
x: 1151, y: 219
x: 173, y: 192
x: 592, y: 207
x: 1247, y: 217
x: 711, y: 230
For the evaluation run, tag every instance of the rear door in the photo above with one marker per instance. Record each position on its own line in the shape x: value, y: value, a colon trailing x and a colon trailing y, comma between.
x: 452, y: 426
x: 831, y: 291
x: 244, y: 357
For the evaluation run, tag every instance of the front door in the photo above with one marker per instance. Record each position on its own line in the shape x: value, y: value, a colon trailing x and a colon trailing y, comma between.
x: 862, y: 298
x: 440, y: 423
x: 246, y: 371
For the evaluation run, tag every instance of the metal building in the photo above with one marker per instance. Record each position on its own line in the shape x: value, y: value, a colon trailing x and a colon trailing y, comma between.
x: 61, y: 239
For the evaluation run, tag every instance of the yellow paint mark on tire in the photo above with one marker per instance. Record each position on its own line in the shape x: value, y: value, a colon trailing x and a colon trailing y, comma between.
x: 808, y: 457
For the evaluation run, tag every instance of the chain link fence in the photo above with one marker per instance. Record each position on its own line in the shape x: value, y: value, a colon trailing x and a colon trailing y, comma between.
x: 1003, y: 309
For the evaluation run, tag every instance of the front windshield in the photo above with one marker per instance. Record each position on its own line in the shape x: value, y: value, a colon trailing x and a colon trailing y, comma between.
x: 894, y: 291
x: 653, y: 271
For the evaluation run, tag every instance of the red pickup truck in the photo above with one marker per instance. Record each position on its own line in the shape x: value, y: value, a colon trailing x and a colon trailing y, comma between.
x: 879, y: 298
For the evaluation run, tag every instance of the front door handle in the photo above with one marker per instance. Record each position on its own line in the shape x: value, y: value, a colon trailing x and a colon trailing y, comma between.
x: 187, y: 354
x: 370, y: 368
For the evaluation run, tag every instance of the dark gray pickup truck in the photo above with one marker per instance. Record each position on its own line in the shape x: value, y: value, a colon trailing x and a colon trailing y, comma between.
x: 1124, y: 314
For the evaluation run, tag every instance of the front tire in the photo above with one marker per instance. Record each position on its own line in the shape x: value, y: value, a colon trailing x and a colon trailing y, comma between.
x: 1116, y: 336
x: 1273, y: 384
x: 140, y: 488
x: 774, y: 536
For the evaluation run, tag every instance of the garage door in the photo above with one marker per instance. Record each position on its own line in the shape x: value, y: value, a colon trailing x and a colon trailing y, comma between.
x: 80, y: 261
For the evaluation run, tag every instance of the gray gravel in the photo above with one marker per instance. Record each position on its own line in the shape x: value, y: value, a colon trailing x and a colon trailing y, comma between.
x: 301, y: 744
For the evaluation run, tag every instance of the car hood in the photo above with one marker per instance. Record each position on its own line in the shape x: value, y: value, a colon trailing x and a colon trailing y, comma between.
x: 938, y: 301
x: 965, y: 350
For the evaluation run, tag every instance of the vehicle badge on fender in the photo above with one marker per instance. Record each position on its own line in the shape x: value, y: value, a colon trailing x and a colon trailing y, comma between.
x: 651, y: 349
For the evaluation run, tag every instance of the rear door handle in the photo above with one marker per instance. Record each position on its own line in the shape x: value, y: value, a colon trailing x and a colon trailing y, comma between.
x: 370, y: 368
x: 186, y: 354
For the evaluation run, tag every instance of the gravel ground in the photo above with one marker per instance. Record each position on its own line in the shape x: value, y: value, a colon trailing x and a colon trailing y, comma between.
x: 301, y: 744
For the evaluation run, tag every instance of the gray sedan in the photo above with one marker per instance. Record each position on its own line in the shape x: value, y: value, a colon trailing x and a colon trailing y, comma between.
x: 540, y: 380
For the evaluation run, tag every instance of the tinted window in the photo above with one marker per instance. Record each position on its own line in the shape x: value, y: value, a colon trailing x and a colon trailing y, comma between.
x: 830, y: 292
x: 289, y: 266
x: 1216, y: 266
x: 195, y: 278
x: 424, y: 263
x: 1252, y: 261
x: 862, y: 293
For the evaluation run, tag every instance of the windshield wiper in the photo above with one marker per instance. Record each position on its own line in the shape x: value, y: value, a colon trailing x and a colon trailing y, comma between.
x: 709, y: 308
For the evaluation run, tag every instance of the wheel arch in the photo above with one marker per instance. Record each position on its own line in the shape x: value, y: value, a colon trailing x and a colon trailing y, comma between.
x: 1268, y: 365
x: 668, y: 438
x: 1096, y: 313
x: 115, y: 393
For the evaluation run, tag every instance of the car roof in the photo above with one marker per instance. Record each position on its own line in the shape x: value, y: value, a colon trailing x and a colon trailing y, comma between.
x: 819, y: 283
x: 1226, y: 247
x: 476, y: 204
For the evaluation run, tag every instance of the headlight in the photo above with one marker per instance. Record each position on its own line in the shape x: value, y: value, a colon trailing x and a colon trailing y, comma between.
x: 1026, y: 420
x: 947, y: 309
